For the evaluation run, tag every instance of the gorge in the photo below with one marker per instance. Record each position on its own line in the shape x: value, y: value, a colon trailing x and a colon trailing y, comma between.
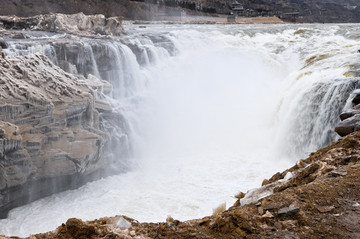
x: 188, y: 115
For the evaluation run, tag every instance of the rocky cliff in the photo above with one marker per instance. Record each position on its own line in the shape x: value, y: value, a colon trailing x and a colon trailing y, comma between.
x: 79, y: 24
x: 288, y: 10
x: 56, y: 128
x: 109, y: 8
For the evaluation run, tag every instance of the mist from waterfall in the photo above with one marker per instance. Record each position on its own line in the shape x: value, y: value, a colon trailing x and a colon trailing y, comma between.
x: 212, y: 110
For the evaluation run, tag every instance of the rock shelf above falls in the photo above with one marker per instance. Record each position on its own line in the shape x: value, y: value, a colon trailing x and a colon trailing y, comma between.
x: 55, y: 126
x: 52, y: 136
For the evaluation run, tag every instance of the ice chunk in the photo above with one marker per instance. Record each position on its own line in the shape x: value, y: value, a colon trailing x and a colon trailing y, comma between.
x: 123, y: 224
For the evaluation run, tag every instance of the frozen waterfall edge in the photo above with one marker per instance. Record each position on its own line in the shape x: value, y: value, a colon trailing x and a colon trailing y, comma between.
x: 62, y: 113
x: 55, y: 131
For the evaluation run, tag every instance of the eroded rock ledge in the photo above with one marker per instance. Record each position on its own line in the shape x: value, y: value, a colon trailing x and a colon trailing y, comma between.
x: 79, y: 24
x: 52, y: 133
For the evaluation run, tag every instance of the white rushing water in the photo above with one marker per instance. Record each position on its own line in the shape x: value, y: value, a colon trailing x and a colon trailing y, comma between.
x: 234, y: 105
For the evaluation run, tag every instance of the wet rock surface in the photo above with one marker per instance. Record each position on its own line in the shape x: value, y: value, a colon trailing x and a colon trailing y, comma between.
x: 54, y: 130
x: 317, y: 198
x: 58, y: 129
x: 350, y: 119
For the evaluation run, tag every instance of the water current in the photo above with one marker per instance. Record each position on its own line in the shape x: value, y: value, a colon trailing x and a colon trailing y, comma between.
x: 213, y: 110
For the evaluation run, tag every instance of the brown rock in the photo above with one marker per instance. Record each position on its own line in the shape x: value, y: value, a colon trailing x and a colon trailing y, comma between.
x: 261, y: 210
x: 219, y: 209
x: 346, y: 115
x: 324, y: 209
x: 76, y: 228
x: 240, y: 195
x: 288, y: 211
x: 265, y: 182
x: 268, y: 215
x: 237, y: 203
x: 348, y: 125
x: 338, y: 172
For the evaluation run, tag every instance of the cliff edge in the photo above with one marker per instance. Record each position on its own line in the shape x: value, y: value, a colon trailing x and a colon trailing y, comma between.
x: 52, y: 133
x: 78, y: 24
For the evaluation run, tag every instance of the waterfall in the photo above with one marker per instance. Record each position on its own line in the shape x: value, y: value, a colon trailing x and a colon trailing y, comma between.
x: 206, y: 111
x: 121, y: 62
x: 314, y: 113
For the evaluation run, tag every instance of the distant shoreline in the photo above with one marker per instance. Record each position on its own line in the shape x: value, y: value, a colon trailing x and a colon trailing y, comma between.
x: 209, y: 20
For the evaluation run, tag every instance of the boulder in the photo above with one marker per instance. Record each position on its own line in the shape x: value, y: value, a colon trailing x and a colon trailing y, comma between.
x: 348, y: 125
x: 350, y: 119
x: 288, y: 211
x: 348, y: 114
x: 76, y: 228
x: 3, y: 44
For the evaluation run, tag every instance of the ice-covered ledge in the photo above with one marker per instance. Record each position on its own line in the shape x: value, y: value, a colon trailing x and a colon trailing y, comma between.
x: 52, y: 134
x: 79, y: 24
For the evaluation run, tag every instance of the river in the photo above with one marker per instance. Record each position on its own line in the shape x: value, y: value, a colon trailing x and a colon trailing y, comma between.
x: 213, y: 110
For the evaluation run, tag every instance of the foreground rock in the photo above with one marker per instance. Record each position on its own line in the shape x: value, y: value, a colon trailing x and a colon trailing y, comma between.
x: 317, y: 198
x: 350, y: 119
x: 79, y: 24
x: 52, y: 133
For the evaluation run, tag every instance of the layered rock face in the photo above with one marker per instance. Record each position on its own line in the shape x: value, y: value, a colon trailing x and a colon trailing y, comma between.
x: 58, y: 129
x: 110, y: 8
x: 79, y: 24
x: 294, y: 10
x: 54, y: 129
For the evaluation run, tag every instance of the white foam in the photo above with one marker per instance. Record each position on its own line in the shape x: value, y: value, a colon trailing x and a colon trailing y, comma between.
x: 209, y: 125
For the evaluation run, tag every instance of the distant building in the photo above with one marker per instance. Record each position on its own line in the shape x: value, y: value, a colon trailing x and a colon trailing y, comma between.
x: 236, y: 9
x: 235, y: 6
